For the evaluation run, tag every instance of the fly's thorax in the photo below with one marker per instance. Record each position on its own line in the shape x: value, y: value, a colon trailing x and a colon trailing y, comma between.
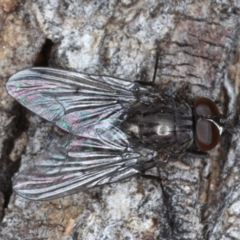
x: 161, y: 126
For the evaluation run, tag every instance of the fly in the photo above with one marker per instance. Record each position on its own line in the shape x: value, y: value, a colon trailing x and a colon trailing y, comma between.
x: 116, y: 129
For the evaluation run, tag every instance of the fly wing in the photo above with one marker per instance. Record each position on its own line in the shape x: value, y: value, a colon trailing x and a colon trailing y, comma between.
x: 79, y: 163
x: 75, y: 101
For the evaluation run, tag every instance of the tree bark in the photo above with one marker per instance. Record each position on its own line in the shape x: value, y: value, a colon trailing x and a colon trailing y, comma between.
x: 197, y: 44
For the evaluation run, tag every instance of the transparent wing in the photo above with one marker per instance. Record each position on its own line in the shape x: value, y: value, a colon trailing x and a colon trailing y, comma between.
x: 78, y: 163
x: 75, y: 101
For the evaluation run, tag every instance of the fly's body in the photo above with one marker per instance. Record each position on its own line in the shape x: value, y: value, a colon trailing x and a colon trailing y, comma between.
x: 116, y: 129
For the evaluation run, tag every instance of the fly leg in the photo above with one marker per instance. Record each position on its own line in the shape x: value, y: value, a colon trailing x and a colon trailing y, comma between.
x: 152, y: 82
x: 165, y: 199
x: 197, y: 153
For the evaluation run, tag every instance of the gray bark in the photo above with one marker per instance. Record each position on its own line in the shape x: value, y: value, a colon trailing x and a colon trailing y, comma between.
x: 198, y: 44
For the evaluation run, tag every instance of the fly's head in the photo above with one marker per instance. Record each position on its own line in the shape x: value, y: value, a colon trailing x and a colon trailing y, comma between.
x: 209, y: 124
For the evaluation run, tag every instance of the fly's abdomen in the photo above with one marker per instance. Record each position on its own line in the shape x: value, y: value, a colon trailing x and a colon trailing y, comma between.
x: 161, y: 126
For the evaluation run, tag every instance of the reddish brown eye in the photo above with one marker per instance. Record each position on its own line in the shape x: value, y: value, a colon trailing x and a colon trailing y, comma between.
x: 205, y: 107
x: 207, y: 135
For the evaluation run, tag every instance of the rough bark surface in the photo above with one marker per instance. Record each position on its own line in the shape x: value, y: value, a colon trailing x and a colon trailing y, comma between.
x: 198, y: 43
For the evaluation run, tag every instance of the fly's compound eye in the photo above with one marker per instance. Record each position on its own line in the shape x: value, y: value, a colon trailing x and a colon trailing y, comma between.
x: 205, y: 107
x: 207, y: 134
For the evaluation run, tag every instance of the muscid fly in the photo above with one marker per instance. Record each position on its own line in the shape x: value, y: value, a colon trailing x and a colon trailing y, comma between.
x: 117, y: 129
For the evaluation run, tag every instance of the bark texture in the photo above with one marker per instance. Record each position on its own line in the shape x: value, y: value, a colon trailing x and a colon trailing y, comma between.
x: 198, y: 43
